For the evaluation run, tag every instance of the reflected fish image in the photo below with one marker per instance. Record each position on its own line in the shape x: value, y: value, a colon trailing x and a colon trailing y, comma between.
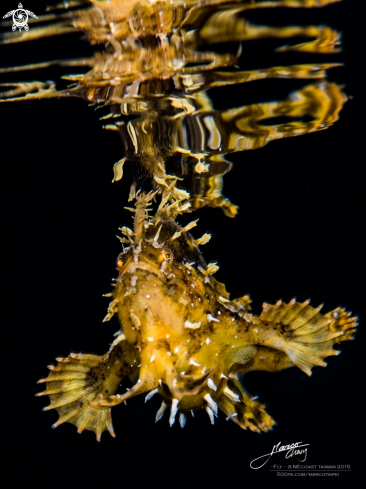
x: 154, y: 65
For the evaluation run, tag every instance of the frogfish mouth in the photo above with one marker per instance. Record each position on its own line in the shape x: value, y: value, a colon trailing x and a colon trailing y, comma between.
x: 182, y: 337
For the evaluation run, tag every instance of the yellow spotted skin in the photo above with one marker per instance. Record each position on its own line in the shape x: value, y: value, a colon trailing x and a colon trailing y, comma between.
x: 182, y: 337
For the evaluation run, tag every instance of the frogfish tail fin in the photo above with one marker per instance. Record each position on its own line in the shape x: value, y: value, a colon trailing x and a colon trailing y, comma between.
x: 242, y: 408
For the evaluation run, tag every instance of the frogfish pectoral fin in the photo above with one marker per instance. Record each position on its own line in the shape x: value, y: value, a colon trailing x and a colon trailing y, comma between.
x: 302, y: 332
x: 79, y: 379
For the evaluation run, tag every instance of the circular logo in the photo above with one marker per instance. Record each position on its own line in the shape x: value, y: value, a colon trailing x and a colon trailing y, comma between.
x: 20, y: 18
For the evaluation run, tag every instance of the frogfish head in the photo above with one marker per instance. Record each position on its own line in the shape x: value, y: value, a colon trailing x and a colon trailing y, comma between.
x: 158, y: 247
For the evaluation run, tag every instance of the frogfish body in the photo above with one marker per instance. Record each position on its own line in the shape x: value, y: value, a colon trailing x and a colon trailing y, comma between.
x: 182, y: 337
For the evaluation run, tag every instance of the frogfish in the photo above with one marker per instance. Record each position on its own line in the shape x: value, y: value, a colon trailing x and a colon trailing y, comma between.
x: 182, y: 338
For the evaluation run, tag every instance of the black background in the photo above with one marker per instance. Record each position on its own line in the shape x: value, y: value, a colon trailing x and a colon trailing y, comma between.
x: 300, y: 232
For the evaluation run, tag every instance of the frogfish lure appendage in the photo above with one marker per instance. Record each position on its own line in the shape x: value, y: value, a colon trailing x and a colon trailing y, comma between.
x: 183, y: 338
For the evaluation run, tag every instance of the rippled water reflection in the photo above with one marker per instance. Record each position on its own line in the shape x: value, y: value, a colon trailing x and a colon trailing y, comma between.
x: 153, y: 76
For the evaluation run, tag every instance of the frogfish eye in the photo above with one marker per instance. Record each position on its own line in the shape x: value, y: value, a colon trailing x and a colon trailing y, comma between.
x: 166, y: 255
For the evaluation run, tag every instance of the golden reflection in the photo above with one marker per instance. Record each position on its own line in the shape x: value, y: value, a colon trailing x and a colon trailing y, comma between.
x: 154, y: 69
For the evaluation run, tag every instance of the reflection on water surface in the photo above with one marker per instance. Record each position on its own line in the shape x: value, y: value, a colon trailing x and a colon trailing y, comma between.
x: 153, y: 76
